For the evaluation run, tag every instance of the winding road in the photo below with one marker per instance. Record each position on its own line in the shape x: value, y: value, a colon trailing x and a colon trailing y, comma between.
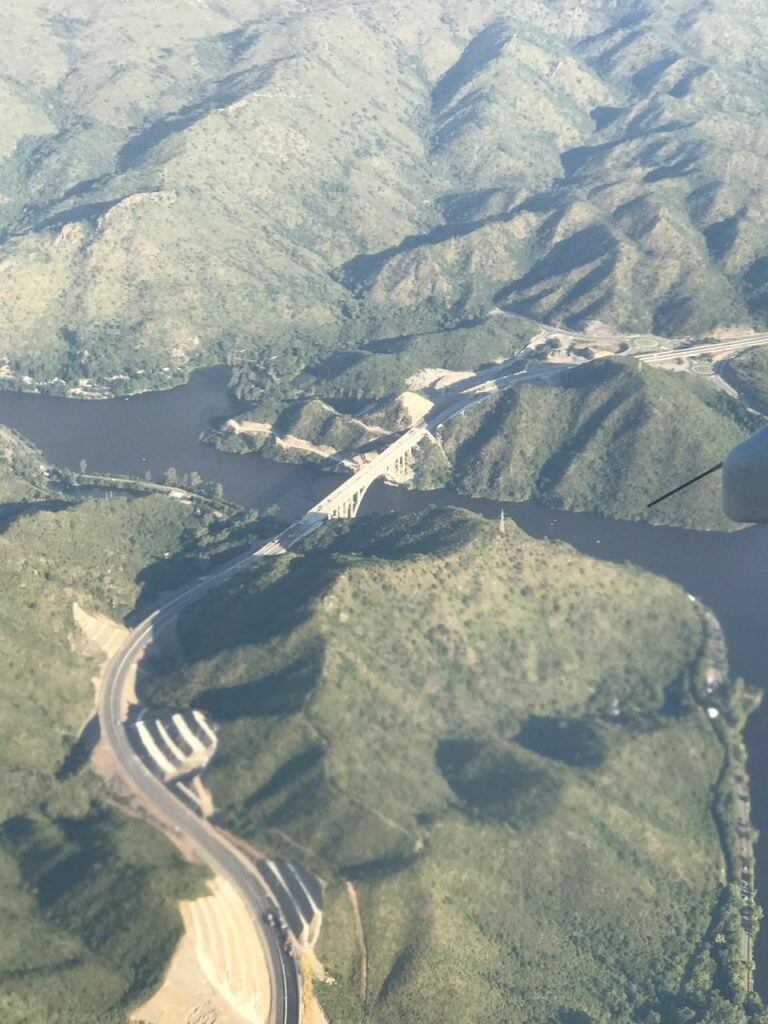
x: 200, y: 835
x: 212, y: 847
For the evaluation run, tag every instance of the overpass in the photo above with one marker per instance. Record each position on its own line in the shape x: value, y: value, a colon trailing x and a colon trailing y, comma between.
x: 729, y: 346
x: 395, y: 460
x: 213, y: 847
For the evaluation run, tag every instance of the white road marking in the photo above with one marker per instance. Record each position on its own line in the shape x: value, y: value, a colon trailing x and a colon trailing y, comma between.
x: 189, y: 793
x: 201, y: 721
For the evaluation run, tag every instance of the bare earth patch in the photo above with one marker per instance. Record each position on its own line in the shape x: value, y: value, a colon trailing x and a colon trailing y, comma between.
x: 311, y: 970
x: 416, y: 407
x: 98, y: 634
x: 217, y: 974
x: 436, y: 377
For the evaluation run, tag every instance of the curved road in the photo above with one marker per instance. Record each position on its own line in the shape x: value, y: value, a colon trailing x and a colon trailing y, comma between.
x: 118, y: 677
x: 211, y: 847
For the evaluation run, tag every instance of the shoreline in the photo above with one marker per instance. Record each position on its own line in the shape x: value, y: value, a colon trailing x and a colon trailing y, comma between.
x: 728, y: 706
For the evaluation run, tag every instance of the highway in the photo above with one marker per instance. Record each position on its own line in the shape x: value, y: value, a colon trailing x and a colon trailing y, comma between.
x: 735, y: 343
x: 713, y: 348
x: 210, y: 846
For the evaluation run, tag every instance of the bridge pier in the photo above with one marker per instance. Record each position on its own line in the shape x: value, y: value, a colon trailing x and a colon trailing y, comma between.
x: 349, y: 506
x: 399, y: 471
x: 395, y: 463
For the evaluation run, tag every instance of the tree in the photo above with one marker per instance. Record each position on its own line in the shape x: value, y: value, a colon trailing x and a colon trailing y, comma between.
x: 171, y: 477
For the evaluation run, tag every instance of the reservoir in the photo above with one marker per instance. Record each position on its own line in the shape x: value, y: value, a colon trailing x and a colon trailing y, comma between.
x: 150, y: 433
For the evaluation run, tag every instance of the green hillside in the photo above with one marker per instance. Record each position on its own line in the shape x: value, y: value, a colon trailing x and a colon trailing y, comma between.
x: 610, y: 438
x: 89, y: 896
x: 22, y: 476
x: 748, y: 373
x: 492, y: 741
x: 202, y: 180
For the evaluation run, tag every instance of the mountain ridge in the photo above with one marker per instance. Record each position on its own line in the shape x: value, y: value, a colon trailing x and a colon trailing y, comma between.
x: 276, y: 182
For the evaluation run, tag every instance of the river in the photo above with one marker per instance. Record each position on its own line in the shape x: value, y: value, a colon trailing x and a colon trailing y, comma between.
x: 154, y: 431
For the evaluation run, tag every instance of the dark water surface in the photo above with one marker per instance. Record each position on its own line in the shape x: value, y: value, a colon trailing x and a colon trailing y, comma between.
x: 149, y: 433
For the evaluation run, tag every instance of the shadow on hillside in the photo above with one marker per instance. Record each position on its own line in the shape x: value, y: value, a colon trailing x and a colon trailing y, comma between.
x: 496, y: 784
x: 340, y: 362
x: 13, y: 511
x: 435, y: 532
x: 224, y: 93
x: 359, y: 272
x: 566, y: 1016
x: 722, y: 236
x: 579, y: 250
x: 280, y: 693
x: 264, y: 603
x: 486, y: 47
x: 81, y: 750
x: 287, y: 775
x: 577, y: 742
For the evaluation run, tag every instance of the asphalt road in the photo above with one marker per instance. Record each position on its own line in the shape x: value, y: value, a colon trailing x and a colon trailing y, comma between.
x: 724, y: 347
x: 211, y: 847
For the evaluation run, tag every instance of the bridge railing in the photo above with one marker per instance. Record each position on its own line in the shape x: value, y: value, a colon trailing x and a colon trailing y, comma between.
x: 352, y: 489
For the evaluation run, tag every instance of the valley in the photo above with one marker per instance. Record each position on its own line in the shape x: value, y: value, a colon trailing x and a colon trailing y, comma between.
x: 350, y: 673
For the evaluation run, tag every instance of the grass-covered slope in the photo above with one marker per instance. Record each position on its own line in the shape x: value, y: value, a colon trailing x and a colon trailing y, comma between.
x: 225, y: 179
x: 21, y: 469
x: 609, y: 438
x: 607, y: 165
x: 748, y: 373
x: 382, y: 368
x: 492, y: 740
x: 290, y: 430
x: 88, y: 896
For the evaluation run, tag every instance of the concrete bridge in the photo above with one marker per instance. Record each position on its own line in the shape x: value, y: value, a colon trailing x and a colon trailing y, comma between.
x: 393, y: 463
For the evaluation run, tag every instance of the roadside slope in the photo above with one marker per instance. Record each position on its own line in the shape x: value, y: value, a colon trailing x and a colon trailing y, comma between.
x: 89, y: 896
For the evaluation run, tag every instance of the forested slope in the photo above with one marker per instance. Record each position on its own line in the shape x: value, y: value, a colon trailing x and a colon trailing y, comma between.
x: 199, y: 180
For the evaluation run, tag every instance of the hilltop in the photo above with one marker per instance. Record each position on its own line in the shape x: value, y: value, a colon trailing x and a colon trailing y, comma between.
x: 609, y: 438
x: 276, y: 182
x: 394, y: 713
